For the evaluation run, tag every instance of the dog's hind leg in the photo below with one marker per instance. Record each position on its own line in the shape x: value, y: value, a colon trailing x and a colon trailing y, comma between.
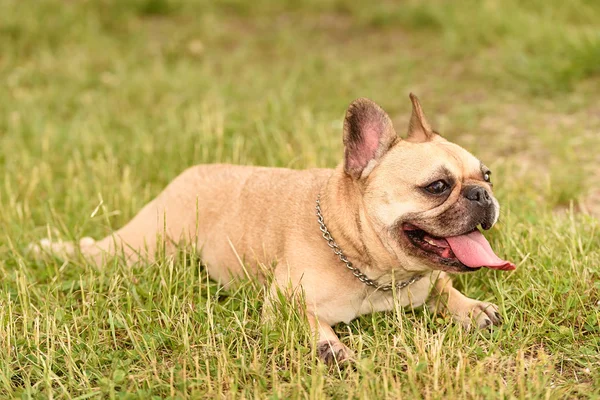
x: 94, y: 251
x: 157, y: 228
x: 140, y: 238
x: 59, y: 247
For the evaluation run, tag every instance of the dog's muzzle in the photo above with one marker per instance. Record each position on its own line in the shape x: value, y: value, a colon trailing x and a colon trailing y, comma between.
x: 484, y: 207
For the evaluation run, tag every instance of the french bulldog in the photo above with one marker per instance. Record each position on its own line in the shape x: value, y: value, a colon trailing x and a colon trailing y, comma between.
x: 387, y: 225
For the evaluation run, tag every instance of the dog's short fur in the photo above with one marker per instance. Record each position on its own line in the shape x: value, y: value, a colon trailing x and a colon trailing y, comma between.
x: 247, y: 219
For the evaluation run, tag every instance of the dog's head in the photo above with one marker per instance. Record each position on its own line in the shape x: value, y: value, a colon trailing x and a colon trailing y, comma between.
x: 423, y: 195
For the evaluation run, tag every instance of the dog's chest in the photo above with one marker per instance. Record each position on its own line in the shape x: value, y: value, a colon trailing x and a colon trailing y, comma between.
x: 412, y: 296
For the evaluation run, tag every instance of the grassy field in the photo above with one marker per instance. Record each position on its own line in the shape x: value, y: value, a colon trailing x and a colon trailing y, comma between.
x: 104, y: 102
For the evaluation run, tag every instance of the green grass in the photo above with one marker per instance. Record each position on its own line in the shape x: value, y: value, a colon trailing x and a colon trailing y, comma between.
x: 104, y: 102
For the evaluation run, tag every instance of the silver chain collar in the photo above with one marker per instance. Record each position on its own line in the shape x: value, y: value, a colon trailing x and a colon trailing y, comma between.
x: 355, y: 271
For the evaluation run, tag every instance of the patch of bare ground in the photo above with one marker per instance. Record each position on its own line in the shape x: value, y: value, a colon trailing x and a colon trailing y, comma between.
x: 538, y: 140
x: 586, y: 144
x: 591, y: 203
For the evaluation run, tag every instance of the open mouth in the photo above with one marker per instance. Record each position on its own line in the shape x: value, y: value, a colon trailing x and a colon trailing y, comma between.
x: 469, y: 251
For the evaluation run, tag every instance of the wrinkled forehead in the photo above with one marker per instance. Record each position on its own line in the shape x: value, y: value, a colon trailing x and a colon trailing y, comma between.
x: 458, y: 160
x: 434, y: 160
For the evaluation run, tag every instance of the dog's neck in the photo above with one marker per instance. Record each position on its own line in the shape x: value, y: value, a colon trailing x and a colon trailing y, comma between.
x: 346, y: 219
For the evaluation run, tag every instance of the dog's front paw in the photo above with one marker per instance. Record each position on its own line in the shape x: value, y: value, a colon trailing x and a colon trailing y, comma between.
x: 334, y: 353
x: 479, y: 314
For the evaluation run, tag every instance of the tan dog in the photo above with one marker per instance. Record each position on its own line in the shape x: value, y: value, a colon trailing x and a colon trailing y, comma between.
x: 402, y: 213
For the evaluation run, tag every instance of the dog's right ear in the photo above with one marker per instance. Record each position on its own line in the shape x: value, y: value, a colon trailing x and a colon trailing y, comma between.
x: 368, y: 135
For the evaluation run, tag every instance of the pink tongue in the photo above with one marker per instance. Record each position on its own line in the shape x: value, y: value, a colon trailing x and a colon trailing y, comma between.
x: 474, y: 251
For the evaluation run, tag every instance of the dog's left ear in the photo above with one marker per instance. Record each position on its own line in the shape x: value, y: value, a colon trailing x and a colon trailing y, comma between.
x: 419, y: 129
x: 368, y: 135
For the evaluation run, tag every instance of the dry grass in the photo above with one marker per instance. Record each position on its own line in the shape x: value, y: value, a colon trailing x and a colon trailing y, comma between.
x: 105, y: 102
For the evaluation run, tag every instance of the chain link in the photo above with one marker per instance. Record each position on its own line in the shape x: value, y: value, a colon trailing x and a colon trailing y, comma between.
x: 355, y: 271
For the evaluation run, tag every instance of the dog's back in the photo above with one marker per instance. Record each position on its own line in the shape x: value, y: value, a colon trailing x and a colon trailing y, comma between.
x: 232, y: 213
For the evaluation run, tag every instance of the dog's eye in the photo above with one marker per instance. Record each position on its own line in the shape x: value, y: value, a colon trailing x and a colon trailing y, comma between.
x: 487, y: 177
x: 437, y: 187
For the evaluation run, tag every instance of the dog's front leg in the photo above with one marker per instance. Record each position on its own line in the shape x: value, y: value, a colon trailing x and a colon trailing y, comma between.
x: 329, y: 347
x: 445, y: 298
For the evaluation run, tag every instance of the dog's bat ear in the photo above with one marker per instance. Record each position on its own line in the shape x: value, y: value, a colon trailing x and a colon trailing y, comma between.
x: 368, y: 135
x: 419, y: 129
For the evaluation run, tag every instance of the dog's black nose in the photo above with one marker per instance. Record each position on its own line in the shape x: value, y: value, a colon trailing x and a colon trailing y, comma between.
x: 479, y: 195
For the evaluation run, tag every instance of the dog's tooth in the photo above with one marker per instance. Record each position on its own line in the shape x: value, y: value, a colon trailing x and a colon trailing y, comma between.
x: 431, y: 243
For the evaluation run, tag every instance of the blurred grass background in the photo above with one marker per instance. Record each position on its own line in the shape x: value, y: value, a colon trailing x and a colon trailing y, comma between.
x: 104, y: 102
